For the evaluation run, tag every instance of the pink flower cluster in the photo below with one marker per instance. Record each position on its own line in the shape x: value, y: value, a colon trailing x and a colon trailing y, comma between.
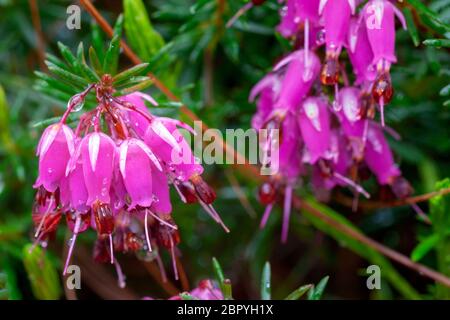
x: 112, y: 174
x: 333, y: 142
x: 206, y: 290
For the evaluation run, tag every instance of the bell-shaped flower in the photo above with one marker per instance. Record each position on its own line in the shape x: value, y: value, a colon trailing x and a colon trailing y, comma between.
x: 136, y: 169
x: 302, y: 69
x: 54, y: 151
x: 177, y: 157
x: 336, y: 16
x: 378, y: 156
x: 98, y: 152
x: 314, y: 121
x: 360, y: 52
x: 138, y: 122
x: 379, y: 16
x: 267, y: 90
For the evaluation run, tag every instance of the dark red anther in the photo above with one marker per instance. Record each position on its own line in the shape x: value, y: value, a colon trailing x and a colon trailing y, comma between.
x: 382, y: 88
x: 42, y: 196
x: 50, y: 223
x: 101, y: 250
x: 267, y: 193
x: 330, y: 71
x: 258, y: 2
x: 168, y: 237
x: 325, y: 169
x: 367, y: 106
x: 401, y: 188
x: 133, y: 242
x: 104, y: 219
x: 71, y: 218
x: 203, y: 190
x: 188, y: 191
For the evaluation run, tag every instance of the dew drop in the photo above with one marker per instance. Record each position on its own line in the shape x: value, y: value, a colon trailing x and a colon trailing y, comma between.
x: 283, y: 11
x: 78, y: 106
x: 320, y: 37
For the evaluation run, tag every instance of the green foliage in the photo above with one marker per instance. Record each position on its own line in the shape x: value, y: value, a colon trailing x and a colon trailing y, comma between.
x: 439, y: 214
x: 186, y: 44
x: 43, y: 277
x: 265, y: 282
x: 315, y: 293
x: 141, y: 35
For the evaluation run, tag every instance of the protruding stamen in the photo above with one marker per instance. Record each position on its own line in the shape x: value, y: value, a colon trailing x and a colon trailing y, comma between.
x: 41, y: 223
x: 76, y: 229
x: 352, y: 184
x: 420, y: 213
x: 120, y: 275
x: 161, y: 220
x: 239, y: 13
x: 147, y: 232
x: 111, y: 248
x: 174, y: 261
x: 286, y: 213
x: 382, y: 111
x: 266, y: 215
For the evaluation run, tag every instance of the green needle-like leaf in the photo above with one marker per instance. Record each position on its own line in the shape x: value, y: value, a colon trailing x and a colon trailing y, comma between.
x: 298, y: 293
x: 316, y: 292
x: 438, y: 43
x: 95, y: 61
x: 265, y: 282
x: 112, y: 54
x: 218, y: 270
x: 131, y: 72
x: 412, y: 29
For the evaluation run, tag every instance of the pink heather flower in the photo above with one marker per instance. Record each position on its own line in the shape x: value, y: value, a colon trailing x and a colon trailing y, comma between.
x: 360, y: 52
x: 295, y: 13
x: 302, y: 69
x: 206, y: 290
x: 54, y: 150
x: 336, y: 16
x: 380, y: 26
x: 267, y: 91
x: 329, y: 142
x: 115, y: 178
x: 73, y: 189
x: 379, y: 16
x: 136, y: 160
x: 178, y: 159
x: 314, y: 121
x: 98, y: 152
x: 378, y: 156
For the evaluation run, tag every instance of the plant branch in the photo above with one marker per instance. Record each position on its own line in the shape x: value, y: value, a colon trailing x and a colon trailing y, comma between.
x: 368, y: 204
x: 36, y: 20
x: 388, y: 252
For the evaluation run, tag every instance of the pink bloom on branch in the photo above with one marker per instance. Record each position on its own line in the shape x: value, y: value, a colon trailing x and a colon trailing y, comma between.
x: 314, y: 121
x: 54, y: 151
x: 378, y: 156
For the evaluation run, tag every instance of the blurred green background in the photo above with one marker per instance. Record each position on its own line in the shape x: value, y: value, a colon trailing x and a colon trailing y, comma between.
x: 212, y: 69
